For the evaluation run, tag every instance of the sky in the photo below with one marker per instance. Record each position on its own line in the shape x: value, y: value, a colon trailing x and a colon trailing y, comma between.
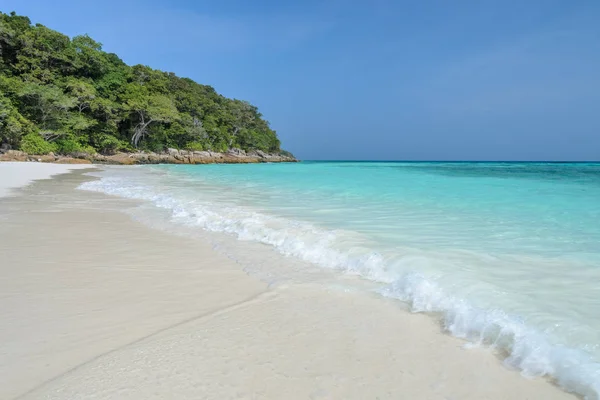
x: 375, y: 79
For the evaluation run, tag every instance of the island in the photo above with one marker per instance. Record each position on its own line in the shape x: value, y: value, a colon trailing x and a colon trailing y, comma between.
x: 66, y: 100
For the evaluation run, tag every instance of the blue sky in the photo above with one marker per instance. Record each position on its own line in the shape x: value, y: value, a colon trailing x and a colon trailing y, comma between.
x: 375, y: 79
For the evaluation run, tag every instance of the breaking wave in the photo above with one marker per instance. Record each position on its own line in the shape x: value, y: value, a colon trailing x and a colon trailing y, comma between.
x: 532, y: 352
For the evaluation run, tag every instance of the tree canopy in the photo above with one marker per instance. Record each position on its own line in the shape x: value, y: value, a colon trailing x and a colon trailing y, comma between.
x: 65, y: 94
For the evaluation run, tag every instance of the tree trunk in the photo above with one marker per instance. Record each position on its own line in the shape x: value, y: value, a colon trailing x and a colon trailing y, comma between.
x: 140, y: 130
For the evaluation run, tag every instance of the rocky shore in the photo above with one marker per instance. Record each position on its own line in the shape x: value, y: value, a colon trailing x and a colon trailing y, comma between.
x: 171, y: 156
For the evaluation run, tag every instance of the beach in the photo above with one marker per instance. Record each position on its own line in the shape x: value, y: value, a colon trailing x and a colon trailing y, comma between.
x: 97, y: 304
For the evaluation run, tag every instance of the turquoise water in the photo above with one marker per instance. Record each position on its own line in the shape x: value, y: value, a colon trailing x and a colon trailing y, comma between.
x: 507, y: 254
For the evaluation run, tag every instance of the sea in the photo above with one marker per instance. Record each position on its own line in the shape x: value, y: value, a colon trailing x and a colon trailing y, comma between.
x: 505, y: 255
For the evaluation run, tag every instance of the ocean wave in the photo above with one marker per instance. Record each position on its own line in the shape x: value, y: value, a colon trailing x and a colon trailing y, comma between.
x: 526, y: 349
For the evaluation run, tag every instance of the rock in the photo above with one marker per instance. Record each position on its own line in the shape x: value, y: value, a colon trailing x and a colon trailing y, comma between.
x: 257, y: 153
x: 172, y: 160
x: 80, y: 154
x: 140, y: 157
x: 120, y: 158
x: 154, y: 158
x: 236, y: 152
x: 14, y: 155
x: 70, y: 160
x: 49, y: 158
x: 171, y: 156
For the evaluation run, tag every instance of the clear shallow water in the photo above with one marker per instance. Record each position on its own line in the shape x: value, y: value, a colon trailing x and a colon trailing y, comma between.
x: 508, y: 254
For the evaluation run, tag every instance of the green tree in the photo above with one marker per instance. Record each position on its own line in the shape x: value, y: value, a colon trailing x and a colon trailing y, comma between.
x: 90, y: 60
x: 44, y: 54
x: 82, y: 92
x: 73, y: 94
x: 48, y: 106
x: 147, y: 110
x: 13, y: 126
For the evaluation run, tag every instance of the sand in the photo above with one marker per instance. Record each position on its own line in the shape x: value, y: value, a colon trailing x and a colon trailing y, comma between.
x: 96, y: 305
x: 18, y: 174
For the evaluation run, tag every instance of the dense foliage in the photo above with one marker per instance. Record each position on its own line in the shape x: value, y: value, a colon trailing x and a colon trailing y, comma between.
x: 66, y: 95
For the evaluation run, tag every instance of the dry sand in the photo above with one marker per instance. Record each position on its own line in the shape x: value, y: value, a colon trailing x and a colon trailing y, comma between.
x: 96, y: 305
x: 18, y: 174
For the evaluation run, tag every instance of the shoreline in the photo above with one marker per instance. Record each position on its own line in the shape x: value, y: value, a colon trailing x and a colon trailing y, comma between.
x: 171, y: 156
x: 147, y: 314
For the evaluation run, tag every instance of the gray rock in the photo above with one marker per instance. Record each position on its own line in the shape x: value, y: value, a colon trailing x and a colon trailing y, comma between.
x: 79, y: 154
x: 141, y: 157
x: 236, y: 152
x: 154, y: 158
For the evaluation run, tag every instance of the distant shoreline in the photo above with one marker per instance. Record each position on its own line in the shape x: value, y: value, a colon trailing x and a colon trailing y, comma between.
x: 171, y: 156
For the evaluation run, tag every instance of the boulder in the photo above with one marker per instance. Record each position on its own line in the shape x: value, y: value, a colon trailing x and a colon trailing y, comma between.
x: 236, y: 152
x: 121, y: 158
x: 49, y: 158
x: 257, y: 153
x: 70, y: 160
x: 140, y: 157
x: 154, y: 158
x: 14, y: 155
x: 100, y: 158
x: 80, y: 154
x: 202, y: 154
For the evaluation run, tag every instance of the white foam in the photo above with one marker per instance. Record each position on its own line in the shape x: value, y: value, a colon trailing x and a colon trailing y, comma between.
x: 14, y: 175
x: 527, y: 350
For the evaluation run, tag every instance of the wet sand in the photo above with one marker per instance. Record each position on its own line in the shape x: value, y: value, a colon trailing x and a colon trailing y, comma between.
x: 97, y: 305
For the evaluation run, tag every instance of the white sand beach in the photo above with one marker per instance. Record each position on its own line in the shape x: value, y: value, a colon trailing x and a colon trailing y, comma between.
x: 94, y: 304
x: 18, y: 174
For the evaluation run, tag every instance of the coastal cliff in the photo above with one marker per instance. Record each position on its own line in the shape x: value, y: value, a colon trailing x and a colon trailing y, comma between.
x: 171, y: 156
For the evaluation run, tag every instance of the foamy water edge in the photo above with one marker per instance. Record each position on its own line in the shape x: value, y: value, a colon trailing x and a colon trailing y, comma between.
x: 527, y: 350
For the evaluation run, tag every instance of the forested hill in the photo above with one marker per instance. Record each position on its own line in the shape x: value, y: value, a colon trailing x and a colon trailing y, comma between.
x: 65, y: 95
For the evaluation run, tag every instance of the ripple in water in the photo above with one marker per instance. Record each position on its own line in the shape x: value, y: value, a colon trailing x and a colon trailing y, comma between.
x: 507, y: 253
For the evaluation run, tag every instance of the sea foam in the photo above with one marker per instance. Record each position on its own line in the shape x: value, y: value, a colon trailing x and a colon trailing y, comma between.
x: 532, y: 352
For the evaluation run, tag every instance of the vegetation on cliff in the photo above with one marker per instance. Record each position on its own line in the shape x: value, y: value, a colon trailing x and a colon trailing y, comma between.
x: 65, y: 95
